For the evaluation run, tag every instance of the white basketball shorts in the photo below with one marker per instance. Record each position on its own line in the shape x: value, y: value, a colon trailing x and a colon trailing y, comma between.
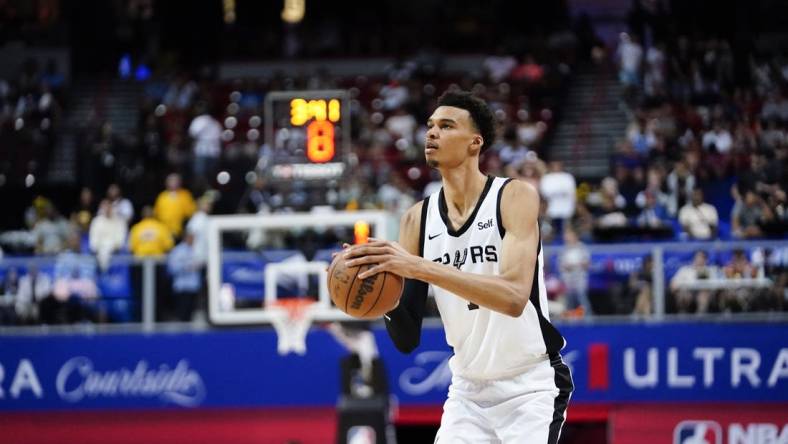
x: 527, y: 408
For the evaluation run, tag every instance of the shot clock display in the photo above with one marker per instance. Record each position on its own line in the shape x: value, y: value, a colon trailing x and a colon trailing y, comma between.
x: 308, y: 133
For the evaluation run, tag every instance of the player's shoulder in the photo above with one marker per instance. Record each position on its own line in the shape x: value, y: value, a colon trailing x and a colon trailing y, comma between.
x: 519, y: 203
x: 410, y: 228
x: 516, y: 192
x: 412, y: 216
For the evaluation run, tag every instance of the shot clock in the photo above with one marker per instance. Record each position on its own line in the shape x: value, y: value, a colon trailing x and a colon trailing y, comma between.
x: 308, y: 133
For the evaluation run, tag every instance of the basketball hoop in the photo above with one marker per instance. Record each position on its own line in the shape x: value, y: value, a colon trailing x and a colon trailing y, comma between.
x: 291, y: 319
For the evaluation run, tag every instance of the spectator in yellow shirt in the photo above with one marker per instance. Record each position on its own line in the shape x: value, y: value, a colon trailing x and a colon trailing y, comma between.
x: 174, y: 205
x: 149, y: 237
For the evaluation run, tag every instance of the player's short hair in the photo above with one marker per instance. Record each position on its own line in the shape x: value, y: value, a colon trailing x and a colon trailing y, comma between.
x: 481, y: 116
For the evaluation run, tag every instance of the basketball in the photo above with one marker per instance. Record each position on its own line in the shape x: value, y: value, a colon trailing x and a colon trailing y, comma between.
x: 368, y: 298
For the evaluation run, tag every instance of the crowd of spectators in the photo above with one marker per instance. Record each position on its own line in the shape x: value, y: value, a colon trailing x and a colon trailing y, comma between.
x: 705, y: 153
x: 200, y: 129
x: 193, y: 131
x: 81, y: 248
x: 696, y: 127
x: 690, y: 133
x: 30, y: 108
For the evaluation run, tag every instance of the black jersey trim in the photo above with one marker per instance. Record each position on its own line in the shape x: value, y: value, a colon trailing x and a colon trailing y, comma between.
x: 501, y: 228
x: 553, y: 340
x: 425, y: 206
x: 443, y: 209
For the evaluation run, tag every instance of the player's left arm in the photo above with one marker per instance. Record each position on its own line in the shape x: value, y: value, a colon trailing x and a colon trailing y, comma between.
x: 505, y: 293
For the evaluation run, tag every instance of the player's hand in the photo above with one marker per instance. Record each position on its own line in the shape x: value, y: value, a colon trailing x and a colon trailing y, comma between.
x: 334, y: 255
x: 385, y: 255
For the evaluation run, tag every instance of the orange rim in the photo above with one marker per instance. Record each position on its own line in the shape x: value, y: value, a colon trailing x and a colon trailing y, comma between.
x: 295, y: 306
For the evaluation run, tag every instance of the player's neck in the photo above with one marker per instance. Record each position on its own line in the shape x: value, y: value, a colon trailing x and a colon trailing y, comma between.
x: 462, y: 188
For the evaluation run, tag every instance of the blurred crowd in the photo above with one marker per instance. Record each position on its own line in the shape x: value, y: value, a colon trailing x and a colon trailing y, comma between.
x: 199, y: 148
x: 201, y: 129
x: 81, y: 246
x: 30, y: 109
x: 704, y: 157
x: 739, y: 284
x: 695, y: 125
x: 202, y: 142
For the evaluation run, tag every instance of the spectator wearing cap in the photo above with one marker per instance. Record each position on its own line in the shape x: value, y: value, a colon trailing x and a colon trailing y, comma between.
x: 174, y: 205
x: 699, y: 219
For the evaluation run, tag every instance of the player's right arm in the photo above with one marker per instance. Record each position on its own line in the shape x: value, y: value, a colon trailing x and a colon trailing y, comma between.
x: 404, y: 322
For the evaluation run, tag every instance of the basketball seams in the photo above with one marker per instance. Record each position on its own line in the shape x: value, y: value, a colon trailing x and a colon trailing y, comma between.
x: 331, y: 273
x: 331, y: 268
x: 380, y: 292
x: 350, y: 287
x: 354, y: 286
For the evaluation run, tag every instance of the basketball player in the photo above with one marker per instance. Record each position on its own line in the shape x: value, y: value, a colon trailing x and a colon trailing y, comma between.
x: 476, y: 242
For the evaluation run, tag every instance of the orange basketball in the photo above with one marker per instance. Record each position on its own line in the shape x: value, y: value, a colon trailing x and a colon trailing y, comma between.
x: 362, y: 298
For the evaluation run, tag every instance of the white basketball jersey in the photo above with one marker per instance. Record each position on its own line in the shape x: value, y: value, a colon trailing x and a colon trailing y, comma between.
x: 487, y: 344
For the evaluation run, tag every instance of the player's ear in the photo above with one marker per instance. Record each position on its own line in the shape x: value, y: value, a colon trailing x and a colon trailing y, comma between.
x: 476, y: 143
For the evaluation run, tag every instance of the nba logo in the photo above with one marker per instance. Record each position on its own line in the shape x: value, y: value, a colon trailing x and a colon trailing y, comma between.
x: 361, y: 435
x: 697, y: 432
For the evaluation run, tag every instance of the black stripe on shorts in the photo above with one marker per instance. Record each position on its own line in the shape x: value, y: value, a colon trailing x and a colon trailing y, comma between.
x: 563, y: 380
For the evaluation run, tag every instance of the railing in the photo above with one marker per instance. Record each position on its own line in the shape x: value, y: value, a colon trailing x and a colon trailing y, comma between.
x: 148, y: 281
x: 635, y: 252
x: 629, y: 258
